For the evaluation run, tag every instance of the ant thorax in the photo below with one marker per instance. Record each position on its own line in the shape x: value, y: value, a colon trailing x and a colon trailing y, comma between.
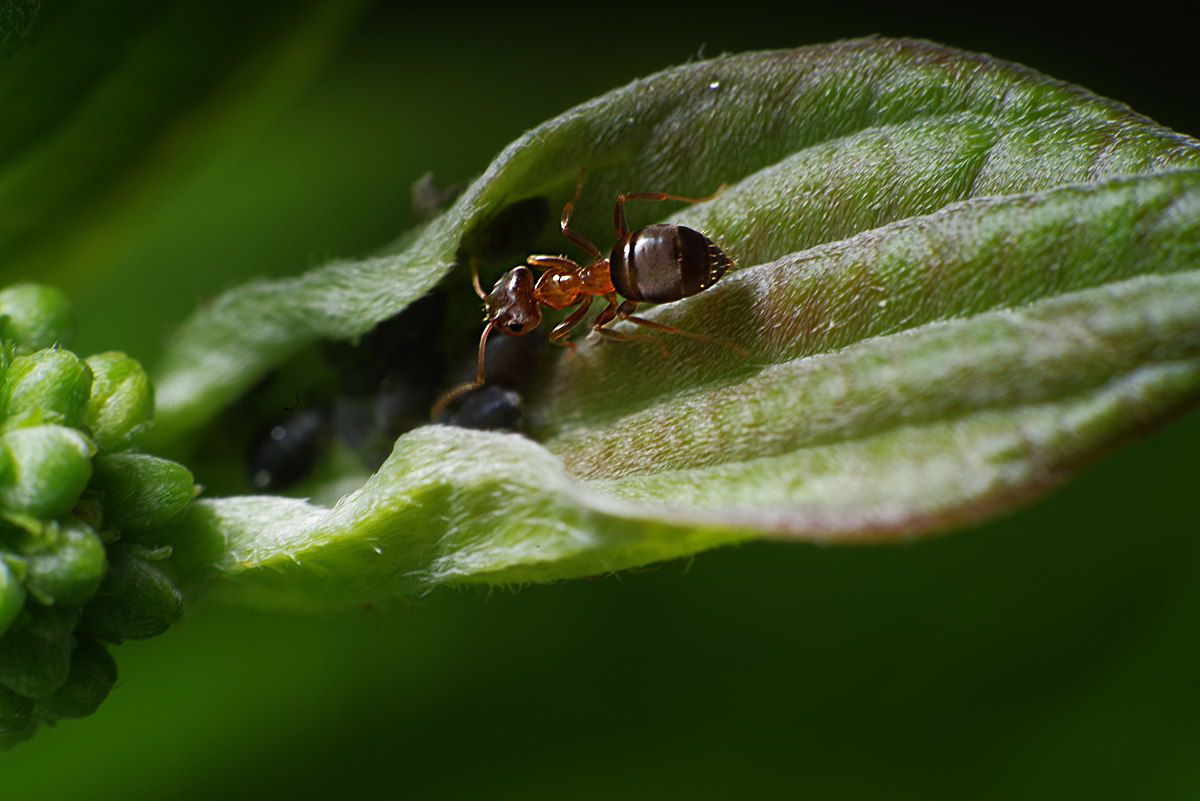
x: 559, y: 287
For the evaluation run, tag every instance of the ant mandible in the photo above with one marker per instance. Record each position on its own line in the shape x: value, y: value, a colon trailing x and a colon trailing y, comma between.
x: 656, y: 264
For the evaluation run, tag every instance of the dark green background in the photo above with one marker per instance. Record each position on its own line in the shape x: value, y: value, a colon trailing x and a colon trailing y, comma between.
x: 1050, y: 654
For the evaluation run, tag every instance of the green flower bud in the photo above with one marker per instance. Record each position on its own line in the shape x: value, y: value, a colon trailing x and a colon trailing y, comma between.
x: 50, y: 466
x: 121, y: 403
x: 142, y: 494
x: 39, y: 316
x: 135, y: 602
x: 90, y: 510
x: 12, y: 594
x: 15, y: 711
x: 93, y: 674
x: 35, y: 654
x: 49, y: 386
x: 65, y: 565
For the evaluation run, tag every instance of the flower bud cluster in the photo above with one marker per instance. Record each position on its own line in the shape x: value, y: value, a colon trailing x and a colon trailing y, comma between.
x: 82, y: 516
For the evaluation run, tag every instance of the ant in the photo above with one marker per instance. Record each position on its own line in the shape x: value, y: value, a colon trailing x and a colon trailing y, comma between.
x: 656, y: 264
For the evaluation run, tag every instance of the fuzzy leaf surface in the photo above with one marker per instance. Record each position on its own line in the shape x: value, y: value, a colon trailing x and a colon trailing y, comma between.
x: 960, y: 282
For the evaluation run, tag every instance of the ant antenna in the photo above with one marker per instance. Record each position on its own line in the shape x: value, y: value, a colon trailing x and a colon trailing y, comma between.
x: 482, y: 345
x: 463, y: 389
x: 475, y: 278
x: 448, y: 398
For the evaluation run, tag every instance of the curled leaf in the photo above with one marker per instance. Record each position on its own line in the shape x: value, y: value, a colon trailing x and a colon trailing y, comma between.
x: 839, y: 110
x: 960, y: 283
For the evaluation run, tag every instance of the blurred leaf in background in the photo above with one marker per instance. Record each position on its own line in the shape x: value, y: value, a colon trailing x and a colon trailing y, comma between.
x: 122, y: 104
x: 16, y: 23
x: 1044, y: 655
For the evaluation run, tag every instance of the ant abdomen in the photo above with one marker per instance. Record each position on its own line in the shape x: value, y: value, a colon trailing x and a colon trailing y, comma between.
x: 663, y: 263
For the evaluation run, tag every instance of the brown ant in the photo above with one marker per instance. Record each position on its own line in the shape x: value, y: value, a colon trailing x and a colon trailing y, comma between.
x: 656, y: 264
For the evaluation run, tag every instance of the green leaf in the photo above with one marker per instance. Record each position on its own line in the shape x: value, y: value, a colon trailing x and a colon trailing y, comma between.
x: 16, y: 22
x: 107, y: 110
x: 889, y: 112
x: 1093, y: 249
x: 960, y: 283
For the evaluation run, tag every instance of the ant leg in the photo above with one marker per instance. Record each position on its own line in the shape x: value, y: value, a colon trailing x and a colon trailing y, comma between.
x: 608, y: 314
x: 565, y: 222
x: 622, y: 225
x: 551, y: 261
x: 617, y: 336
x: 564, y: 328
x: 611, y: 313
x: 667, y: 329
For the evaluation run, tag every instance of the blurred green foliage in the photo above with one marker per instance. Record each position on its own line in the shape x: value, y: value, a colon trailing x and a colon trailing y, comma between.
x: 1049, y: 654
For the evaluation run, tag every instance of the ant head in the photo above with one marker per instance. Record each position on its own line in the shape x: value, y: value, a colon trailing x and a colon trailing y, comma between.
x: 511, y: 306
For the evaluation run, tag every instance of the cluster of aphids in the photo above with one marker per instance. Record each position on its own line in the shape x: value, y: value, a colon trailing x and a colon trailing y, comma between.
x: 385, y: 386
x: 387, y: 382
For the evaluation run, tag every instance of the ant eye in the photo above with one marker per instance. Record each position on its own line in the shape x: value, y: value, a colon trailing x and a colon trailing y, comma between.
x: 516, y: 328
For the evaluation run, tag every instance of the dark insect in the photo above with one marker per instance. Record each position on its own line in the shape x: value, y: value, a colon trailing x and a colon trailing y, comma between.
x: 283, y: 454
x: 513, y: 361
x: 400, y: 349
x: 655, y: 264
x: 386, y: 382
x: 488, y: 408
